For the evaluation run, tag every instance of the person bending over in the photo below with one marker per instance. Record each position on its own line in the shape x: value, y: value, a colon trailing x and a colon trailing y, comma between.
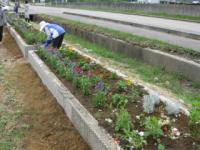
x: 55, y: 34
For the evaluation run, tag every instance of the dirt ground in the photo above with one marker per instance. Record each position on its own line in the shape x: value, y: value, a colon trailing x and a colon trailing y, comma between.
x: 42, y: 123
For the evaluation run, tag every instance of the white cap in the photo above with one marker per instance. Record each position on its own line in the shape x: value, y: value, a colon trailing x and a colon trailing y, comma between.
x: 42, y: 25
x: 5, y: 8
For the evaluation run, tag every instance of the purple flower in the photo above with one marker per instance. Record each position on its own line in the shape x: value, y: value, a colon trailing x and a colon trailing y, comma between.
x: 99, y: 86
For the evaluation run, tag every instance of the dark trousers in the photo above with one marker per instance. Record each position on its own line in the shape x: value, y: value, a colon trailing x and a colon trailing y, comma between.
x: 57, y: 42
x: 1, y: 33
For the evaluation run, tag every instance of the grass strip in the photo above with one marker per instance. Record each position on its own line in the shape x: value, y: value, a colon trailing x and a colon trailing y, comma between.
x: 134, y: 39
x: 172, y: 82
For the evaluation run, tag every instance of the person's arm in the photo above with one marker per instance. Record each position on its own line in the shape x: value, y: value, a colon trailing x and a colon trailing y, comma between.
x: 4, y: 18
x: 49, y: 37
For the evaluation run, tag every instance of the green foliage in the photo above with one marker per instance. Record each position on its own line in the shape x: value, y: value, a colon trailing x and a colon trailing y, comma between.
x: 194, y: 122
x: 113, y: 76
x: 85, y: 85
x: 71, y: 54
x: 153, y: 127
x: 161, y: 147
x: 94, y: 80
x: 133, y: 139
x: 68, y: 74
x: 122, y: 86
x: 135, y: 94
x: 26, y: 30
x: 123, y: 121
x: 100, y: 99
x: 76, y: 81
x: 119, y: 100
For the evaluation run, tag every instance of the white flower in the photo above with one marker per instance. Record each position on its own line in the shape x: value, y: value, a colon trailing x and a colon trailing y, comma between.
x: 175, y: 132
x: 138, y: 117
x: 108, y: 120
x: 141, y: 133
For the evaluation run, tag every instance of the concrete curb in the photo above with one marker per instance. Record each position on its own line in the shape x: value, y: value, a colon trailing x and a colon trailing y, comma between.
x: 183, y: 34
x: 88, y: 127
x: 20, y: 42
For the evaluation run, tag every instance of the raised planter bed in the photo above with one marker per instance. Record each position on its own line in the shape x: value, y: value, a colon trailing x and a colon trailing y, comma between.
x: 25, y: 35
x: 108, y: 112
x: 24, y: 47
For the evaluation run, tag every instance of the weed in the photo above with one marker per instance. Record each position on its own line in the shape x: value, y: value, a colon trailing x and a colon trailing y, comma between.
x: 122, y: 86
x: 100, y: 99
x: 153, y: 127
x: 134, y: 139
x: 123, y: 121
x: 95, y: 80
x: 119, y: 100
x: 68, y: 74
x: 85, y: 85
x: 194, y: 122
x: 77, y: 81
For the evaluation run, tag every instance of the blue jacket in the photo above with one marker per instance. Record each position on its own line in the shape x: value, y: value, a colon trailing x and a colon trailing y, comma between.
x: 53, y: 31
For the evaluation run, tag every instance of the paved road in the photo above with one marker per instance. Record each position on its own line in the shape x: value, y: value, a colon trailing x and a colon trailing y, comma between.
x: 169, y: 38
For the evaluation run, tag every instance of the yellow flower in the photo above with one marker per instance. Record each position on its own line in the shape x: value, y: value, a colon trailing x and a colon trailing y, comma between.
x: 128, y: 82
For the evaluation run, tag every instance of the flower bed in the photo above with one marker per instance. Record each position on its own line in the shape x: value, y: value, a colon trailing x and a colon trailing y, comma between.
x: 26, y: 30
x: 133, y: 117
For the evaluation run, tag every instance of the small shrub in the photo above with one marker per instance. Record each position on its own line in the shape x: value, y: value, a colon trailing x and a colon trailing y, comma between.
x: 194, y: 122
x: 85, y: 67
x: 85, y: 85
x: 119, y: 100
x: 94, y: 80
x: 122, y: 86
x: 123, y: 121
x: 68, y: 74
x: 153, y: 127
x: 134, y: 139
x: 161, y: 147
x: 61, y: 69
x: 99, y: 99
x: 77, y: 81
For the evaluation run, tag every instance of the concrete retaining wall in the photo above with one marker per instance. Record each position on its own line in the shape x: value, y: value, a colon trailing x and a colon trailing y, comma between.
x: 20, y: 42
x: 176, y: 9
x: 170, y: 63
x: 88, y: 127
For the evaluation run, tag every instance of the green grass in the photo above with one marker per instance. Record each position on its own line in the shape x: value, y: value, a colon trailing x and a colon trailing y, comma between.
x: 145, y: 72
x: 134, y: 39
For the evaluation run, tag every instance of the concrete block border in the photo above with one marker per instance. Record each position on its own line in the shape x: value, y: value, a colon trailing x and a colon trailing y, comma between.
x: 20, y: 42
x: 88, y: 127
